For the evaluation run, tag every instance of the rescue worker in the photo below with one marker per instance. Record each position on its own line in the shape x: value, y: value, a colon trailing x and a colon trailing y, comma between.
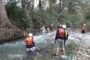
x: 59, y: 40
x: 30, y: 45
x: 84, y: 28
x: 66, y: 34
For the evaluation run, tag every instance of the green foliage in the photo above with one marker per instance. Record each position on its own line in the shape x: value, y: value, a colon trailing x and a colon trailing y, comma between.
x: 74, y: 19
x: 52, y: 1
x: 87, y: 17
x: 16, y: 15
x: 44, y: 17
x: 71, y: 6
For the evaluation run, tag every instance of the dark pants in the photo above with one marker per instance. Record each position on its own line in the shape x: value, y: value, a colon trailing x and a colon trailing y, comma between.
x: 29, y: 46
x: 65, y: 41
x: 31, y: 52
x: 83, y: 32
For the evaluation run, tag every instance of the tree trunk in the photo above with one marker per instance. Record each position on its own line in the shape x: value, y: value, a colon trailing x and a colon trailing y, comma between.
x: 7, y: 30
x: 40, y: 5
x: 4, y: 22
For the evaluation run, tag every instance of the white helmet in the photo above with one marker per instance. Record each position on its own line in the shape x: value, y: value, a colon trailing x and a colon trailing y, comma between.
x: 30, y: 34
x: 84, y: 24
x: 64, y: 26
x: 59, y: 25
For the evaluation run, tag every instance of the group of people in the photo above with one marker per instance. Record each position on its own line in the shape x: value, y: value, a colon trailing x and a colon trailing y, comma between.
x: 60, y: 40
x: 46, y: 29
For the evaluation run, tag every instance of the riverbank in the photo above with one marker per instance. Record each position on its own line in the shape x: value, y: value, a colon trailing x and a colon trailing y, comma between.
x: 7, y: 35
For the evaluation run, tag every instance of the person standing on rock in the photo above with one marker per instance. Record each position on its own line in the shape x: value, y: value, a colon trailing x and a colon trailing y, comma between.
x: 59, y: 40
x: 84, y: 29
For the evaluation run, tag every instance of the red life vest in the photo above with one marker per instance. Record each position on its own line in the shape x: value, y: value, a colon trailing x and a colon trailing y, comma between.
x: 61, y: 33
x: 84, y: 29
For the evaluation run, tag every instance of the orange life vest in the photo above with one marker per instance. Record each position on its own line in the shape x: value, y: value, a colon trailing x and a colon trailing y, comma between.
x: 29, y: 41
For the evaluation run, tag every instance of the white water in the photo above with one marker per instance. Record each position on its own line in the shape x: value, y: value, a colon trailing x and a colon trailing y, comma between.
x: 16, y: 50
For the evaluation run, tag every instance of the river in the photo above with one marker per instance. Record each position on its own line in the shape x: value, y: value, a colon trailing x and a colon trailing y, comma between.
x: 15, y: 50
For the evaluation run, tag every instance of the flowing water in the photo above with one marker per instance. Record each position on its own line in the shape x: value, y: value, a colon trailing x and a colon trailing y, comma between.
x: 16, y: 50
